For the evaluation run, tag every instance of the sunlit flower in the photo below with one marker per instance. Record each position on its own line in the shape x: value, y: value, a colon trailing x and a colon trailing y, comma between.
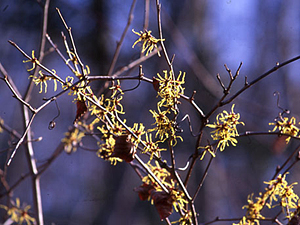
x: 106, y: 148
x: 294, y: 216
x: 185, y: 219
x: 72, y: 139
x: 169, y: 88
x: 19, y: 214
x: 245, y: 221
x: 72, y: 58
x: 286, y: 126
x: 149, y: 42
x: 116, y: 145
x: 33, y: 60
x: 114, y: 105
x: 207, y: 148
x: 254, y: 208
x: 277, y: 193
x: 161, y: 173
x: 165, y: 128
x: 152, y: 147
x: 68, y: 83
x: 178, y: 199
x: 116, y: 89
x: 225, y: 128
x: 42, y: 80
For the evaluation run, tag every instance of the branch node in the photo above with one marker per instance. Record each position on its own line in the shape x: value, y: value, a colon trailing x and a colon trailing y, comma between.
x: 193, y: 96
x: 221, y: 83
x: 229, y: 72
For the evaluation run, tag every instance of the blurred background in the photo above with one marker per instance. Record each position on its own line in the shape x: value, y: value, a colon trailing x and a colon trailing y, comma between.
x: 204, y: 35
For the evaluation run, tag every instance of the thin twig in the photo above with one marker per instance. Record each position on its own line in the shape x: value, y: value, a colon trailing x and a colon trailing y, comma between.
x: 72, y: 42
x: 16, y: 93
x: 120, y: 42
x: 37, y: 63
x: 59, y: 53
x: 203, y: 178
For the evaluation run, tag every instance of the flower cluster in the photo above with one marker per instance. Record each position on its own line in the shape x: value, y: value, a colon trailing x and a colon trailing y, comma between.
x: 33, y: 60
x: 164, y: 202
x: 72, y: 140
x: 225, y: 128
x: 152, y: 147
x: 43, y: 77
x: 286, y: 126
x: 277, y: 193
x: 149, y: 42
x: 169, y: 90
x: 42, y: 80
x: 19, y: 214
x: 207, y: 148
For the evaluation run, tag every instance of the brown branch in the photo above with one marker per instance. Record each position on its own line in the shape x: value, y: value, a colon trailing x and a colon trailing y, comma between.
x: 247, y: 85
x: 72, y: 42
x: 37, y: 63
x: 203, y: 178
x: 13, y: 88
x: 59, y: 52
x: 120, y: 42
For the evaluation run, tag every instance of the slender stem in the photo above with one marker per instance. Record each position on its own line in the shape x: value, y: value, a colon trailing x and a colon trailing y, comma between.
x: 38, y: 64
x: 72, y: 42
x: 158, y: 6
x: 203, y: 178
x: 28, y: 124
x: 146, y: 15
x: 14, y: 90
x: 59, y: 52
x: 42, y: 47
x: 28, y: 121
x: 194, y: 158
x: 279, y: 168
x: 33, y: 169
x: 248, y: 85
x: 120, y: 42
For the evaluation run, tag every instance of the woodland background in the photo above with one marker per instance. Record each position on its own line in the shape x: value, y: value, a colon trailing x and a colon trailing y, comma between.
x: 204, y: 35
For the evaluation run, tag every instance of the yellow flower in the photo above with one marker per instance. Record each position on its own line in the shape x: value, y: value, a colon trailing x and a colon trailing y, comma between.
x: 19, y: 214
x: 71, y: 140
x: 33, y: 60
x: 161, y: 173
x: 116, y: 88
x: 165, y: 128
x: 254, y: 209
x: 149, y: 42
x: 110, y: 138
x: 114, y: 105
x: 246, y: 221
x: 278, y: 191
x: 68, y: 83
x: 225, y: 128
x: 207, y: 148
x: 286, y: 126
x: 42, y: 80
x: 185, y: 219
x: 169, y: 89
x: 152, y: 147
x: 178, y: 200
